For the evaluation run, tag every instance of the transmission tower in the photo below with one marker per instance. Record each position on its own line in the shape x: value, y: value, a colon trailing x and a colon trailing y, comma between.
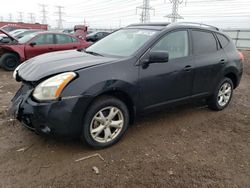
x: 60, y: 20
x: 145, y: 14
x: 10, y: 17
x: 44, y: 13
x: 174, y: 15
x: 20, y: 15
x: 32, y: 18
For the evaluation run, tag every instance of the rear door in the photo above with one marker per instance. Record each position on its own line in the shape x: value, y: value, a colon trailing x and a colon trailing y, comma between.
x: 209, y: 61
x: 42, y: 43
x: 162, y: 83
x: 66, y: 42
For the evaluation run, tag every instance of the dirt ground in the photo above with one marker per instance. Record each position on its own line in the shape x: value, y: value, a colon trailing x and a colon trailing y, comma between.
x: 187, y: 146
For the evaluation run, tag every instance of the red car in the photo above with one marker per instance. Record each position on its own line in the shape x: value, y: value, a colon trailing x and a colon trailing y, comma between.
x: 19, y: 50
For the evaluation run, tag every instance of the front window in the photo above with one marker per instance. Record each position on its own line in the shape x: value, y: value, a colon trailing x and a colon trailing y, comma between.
x: 122, y: 43
x: 44, y: 39
x: 175, y: 43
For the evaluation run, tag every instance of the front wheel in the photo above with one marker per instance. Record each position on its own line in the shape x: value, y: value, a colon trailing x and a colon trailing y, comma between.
x: 9, y: 61
x: 222, y: 96
x: 105, y: 122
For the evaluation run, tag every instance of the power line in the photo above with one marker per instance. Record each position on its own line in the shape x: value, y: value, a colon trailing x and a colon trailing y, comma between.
x: 44, y: 13
x: 145, y: 14
x: 174, y: 15
x: 60, y: 20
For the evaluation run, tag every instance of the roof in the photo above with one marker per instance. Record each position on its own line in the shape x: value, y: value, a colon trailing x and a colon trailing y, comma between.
x: 51, y: 32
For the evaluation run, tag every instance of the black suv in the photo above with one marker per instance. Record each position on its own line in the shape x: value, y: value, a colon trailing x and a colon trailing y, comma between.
x: 95, y: 93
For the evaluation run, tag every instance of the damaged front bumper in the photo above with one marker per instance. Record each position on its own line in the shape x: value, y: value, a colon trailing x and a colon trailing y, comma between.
x: 62, y: 118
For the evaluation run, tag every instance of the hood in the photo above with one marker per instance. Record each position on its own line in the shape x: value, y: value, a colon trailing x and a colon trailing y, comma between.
x: 10, y: 36
x: 58, y: 62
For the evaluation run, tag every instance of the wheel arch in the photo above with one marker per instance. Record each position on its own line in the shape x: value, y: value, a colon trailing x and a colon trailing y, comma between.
x: 124, y: 97
x: 17, y: 52
x: 233, y: 77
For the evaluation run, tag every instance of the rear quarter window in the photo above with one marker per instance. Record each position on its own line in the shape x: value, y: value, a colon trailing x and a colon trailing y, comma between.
x: 223, y: 40
x: 203, y: 42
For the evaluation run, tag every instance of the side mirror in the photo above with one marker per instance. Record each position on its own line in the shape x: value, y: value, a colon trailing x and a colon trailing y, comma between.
x: 32, y: 44
x: 158, y: 57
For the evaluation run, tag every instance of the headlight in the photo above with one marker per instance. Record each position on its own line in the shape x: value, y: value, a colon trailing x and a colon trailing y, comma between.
x: 51, y: 88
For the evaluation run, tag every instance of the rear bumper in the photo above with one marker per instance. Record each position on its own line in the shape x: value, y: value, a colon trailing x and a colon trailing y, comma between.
x: 57, y: 118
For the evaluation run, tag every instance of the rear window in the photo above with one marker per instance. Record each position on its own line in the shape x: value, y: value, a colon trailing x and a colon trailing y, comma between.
x: 223, y: 40
x: 203, y: 42
x: 63, y: 39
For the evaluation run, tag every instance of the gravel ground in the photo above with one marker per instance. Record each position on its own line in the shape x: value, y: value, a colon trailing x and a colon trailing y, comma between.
x: 187, y: 146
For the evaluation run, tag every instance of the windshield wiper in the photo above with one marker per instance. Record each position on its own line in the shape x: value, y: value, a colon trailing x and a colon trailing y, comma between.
x: 93, y: 53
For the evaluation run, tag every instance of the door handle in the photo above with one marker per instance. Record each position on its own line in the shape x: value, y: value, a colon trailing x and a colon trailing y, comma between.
x: 74, y: 47
x: 188, y: 68
x: 50, y: 48
x: 222, y: 61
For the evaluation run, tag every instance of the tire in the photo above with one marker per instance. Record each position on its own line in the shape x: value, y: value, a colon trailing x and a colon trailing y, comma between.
x: 100, y: 130
x: 221, y: 97
x: 9, y: 61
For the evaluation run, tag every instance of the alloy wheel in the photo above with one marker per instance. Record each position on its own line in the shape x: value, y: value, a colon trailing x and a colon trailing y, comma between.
x: 224, y: 94
x: 106, y: 124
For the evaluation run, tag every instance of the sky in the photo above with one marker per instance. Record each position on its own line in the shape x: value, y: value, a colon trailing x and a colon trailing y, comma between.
x: 119, y: 13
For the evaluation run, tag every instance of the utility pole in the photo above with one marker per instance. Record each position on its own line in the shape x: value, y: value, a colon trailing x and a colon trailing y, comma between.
x: 44, y: 13
x: 60, y: 14
x: 20, y: 15
x: 145, y: 14
x: 32, y: 18
x: 10, y: 17
x: 174, y: 15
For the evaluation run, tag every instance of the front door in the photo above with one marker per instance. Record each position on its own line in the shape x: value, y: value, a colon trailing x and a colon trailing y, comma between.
x: 41, y: 44
x: 161, y: 83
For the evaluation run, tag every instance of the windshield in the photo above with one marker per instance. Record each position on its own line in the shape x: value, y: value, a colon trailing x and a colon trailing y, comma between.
x: 16, y: 32
x: 26, y: 38
x: 123, y: 43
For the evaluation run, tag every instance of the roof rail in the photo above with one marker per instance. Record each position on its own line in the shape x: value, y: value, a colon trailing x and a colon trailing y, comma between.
x: 195, y: 24
x: 163, y: 24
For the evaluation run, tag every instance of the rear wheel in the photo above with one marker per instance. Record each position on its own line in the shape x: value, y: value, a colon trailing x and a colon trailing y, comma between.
x: 105, y: 122
x: 222, y: 96
x: 9, y: 61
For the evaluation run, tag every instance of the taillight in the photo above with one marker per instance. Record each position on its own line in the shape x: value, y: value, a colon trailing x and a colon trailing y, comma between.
x: 241, y: 56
